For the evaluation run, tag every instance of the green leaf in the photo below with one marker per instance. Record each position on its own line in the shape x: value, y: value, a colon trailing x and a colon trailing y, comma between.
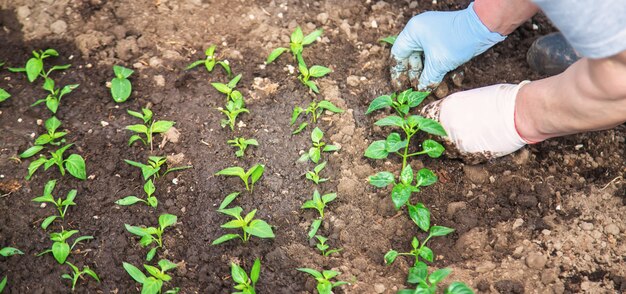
x: 255, y: 271
x: 426, y: 253
x: 225, y: 238
x: 458, y: 288
x: 234, y: 212
x: 256, y: 172
x: 139, y: 231
x: 238, y: 274
x: 46, y: 222
x: 394, y: 143
x: 425, y: 177
x: 315, y: 225
x: 310, y: 38
x: 91, y: 273
x: 129, y: 200
x: 259, y: 228
x: 10, y: 251
x: 60, y: 251
x: 297, y: 36
x: 312, y: 272
x: 377, y: 150
x: 406, y: 176
x: 418, y: 273
x: 313, y: 86
x: 317, y: 135
x: 150, y: 255
x: 437, y: 231
x: 438, y: 275
x: 432, y: 148
x: 122, y: 72
x: 391, y: 120
x: 194, y: 64
x: 166, y: 220
x: 75, y: 164
x: 379, y: 103
x: 233, y: 83
x: 416, y: 98
x: 330, y: 148
x: 166, y: 265
x: 315, y: 154
x: 232, y: 171
x: 390, y: 256
x: 138, y: 128
x: 222, y: 88
x: 389, y: 39
x: 327, y: 105
x: 400, y: 195
x: 295, y: 114
x: 420, y: 216
x: 318, y: 71
x: 4, y: 95
x: 31, y: 151
x: 34, y: 67
x: 432, y: 127
x: 228, y: 199
x: 275, y: 54
x: 33, y: 166
x: 3, y: 284
x: 151, y: 286
x: 120, y: 89
x: 52, y: 124
x: 162, y: 126
x: 382, y: 179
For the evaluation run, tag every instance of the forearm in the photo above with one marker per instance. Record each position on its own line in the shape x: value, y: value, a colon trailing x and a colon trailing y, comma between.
x: 590, y: 95
x: 504, y: 16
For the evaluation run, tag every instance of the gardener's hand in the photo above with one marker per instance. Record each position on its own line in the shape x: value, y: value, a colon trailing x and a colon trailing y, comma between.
x: 480, y: 123
x: 447, y: 39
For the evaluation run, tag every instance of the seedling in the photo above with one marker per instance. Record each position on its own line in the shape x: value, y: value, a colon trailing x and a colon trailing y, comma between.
x: 401, y: 102
x: 233, y: 109
x: 61, y: 204
x: 53, y: 100
x: 150, y: 200
x: 34, y: 65
x: 318, y: 203
x: 6, y: 252
x: 4, y: 95
x: 315, y: 109
x: 77, y: 274
x: 153, y: 167
x: 324, y: 285
x: 242, y: 144
x: 229, y: 89
x: 249, y: 226
x: 249, y: 177
x: 314, y: 175
x: 298, y: 41
x: 389, y: 40
x: 153, y: 284
x: 315, y: 152
x: 60, y: 248
x: 210, y: 61
x: 323, y: 247
x: 409, y: 183
x: 427, y: 283
x: 148, y: 128
x: 120, y: 85
x: 151, y: 235
x: 316, y: 71
x: 244, y: 284
x: 51, y: 125
x: 74, y: 164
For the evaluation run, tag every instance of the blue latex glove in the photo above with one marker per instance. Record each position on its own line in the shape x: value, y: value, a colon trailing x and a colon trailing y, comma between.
x: 447, y: 39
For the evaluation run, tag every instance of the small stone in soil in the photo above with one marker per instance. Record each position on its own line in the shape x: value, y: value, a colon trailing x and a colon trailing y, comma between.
x: 536, y: 260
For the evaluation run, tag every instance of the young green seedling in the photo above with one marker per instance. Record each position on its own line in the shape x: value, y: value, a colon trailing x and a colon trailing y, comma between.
x: 242, y: 144
x: 244, y: 284
x: 210, y: 61
x: 153, y: 284
x: 401, y: 102
x: 150, y: 200
x: 148, y: 128
x: 314, y: 175
x: 248, y: 225
x: 77, y: 274
x: 315, y: 109
x: 233, y: 109
x: 61, y: 204
x: 324, y: 284
x: 51, y: 125
x: 53, y: 99
x: 389, y: 40
x: 318, y: 203
x: 409, y: 183
x: 151, y: 235
x: 427, y: 283
x: 6, y: 252
x: 74, y: 164
x: 4, y: 95
x: 60, y: 248
x: 297, y: 43
x: 229, y: 89
x: 249, y: 177
x: 153, y: 167
x: 120, y: 85
x: 323, y: 247
x: 316, y: 71
x: 315, y: 152
x: 34, y: 66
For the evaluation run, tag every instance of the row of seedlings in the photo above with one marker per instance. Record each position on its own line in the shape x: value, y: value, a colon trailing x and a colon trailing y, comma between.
x: 152, y: 170
x: 247, y: 224
x: 74, y: 164
x: 325, y: 278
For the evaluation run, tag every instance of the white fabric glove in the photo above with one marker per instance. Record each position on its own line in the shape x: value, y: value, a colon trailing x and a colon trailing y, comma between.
x: 481, y: 122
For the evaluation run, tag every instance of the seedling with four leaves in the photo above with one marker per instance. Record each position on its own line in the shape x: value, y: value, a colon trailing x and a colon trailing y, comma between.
x: 229, y: 89
x: 150, y: 200
x: 61, y: 204
x: 152, y: 284
x: 6, y: 252
x: 34, y: 66
x: 324, y: 284
x: 74, y: 164
x: 153, y: 168
x: 77, y: 274
x: 60, y: 248
x: 53, y: 99
x: 297, y: 43
x: 315, y: 152
x: 51, y: 125
x: 249, y: 177
x: 120, y: 85
x: 318, y: 203
x: 148, y: 128
x: 152, y: 235
x: 245, y: 284
x: 248, y: 225
x: 323, y: 247
x: 232, y: 111
x: 315, y: 110
x: 210, y: 61
x: 242, y: 144
x: 314, y: 175
x: 306, y: 73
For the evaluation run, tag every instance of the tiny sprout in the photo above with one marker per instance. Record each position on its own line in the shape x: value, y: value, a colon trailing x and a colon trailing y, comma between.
x: 242, y: 144
x: 148, y: 128
x: 323, y: 247
x: 318, y: 203
x: 314, y: 109
x: 51, y: 125
x: 316, y: 71
x: 120, y: 85
x: 297, y: 43
x: 153, y: 167
x: 77, y: 274
x: 314, y: 175
x: 151, y: 235
x: 60, y: 248
x: 246, y: 284
x: 150, y: 200
x: 229, y: 89
x: 249, y: 178
x: 53, y: 99
x: 153, y: 284
x: 324, y: 285
x: 315, y: 152
x: 61, y: 204
x: 210, y: 61
x: 249, y: 226
x: 34, y: 65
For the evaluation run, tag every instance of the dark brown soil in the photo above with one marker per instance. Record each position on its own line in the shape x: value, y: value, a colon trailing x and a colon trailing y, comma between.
x: 541, y: 185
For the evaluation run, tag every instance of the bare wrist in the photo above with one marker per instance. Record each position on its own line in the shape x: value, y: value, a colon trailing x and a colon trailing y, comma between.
x: 504, y: 16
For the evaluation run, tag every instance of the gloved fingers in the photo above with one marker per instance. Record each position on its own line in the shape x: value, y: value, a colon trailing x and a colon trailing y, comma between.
x: 415, y: 68
x: 398, y: 70
x: 409, y: 39
x: 432, y: 74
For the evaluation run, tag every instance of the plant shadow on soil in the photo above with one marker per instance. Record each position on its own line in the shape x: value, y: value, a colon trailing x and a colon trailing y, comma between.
x: 362, y: 221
